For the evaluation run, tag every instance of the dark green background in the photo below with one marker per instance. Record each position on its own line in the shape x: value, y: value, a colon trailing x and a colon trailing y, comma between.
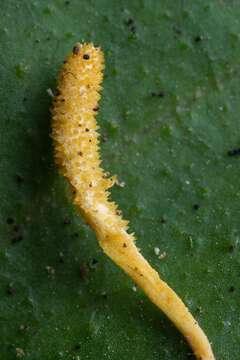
x: 170, y: 150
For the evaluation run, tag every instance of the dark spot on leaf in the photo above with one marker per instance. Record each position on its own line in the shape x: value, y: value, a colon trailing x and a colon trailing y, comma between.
x: 83, y: 271
x: 177, y: 30
x: 133, y: 29
x: 19, y: 178
x: 23, y: 327
x: 104, y: 138
x: 11, y: 290
x: 231, y: 248
x: 16, y: 239
x: 16, y: 228
x: 10, y: 221
x: 163, y: 220
x: 231, y: 289
x: 198, y: 38
x: 93, y: 263
x: 191, y: 356
x: 61, y: 258
x: 129, y: 22
x: 234, y: 152
x: 196, y: 206
x: 104, y: 295
x: 159, y: 94
x: 67, y: 222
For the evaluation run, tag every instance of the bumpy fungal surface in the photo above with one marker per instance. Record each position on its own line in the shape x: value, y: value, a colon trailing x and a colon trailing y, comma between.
x: 76, y: 144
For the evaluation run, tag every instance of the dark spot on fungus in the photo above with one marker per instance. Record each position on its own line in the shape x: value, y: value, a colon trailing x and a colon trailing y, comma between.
x: 124, y: 245
x: 86, y: 57
x: 96, y: 108
x: 234, y: 152
x: 86, y: 129
x: 80, y: 153
x: 10, y: 221
x: 76, y: 49
x: 196, y: 206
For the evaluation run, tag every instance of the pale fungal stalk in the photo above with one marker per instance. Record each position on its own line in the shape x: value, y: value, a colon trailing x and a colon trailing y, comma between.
x: 75, y: 137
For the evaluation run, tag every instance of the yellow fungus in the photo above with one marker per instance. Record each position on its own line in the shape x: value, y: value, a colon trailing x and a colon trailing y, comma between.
x: 76, y: 151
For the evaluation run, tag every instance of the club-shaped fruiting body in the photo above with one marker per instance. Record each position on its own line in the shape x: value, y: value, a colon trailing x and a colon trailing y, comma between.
x: 76, y: 151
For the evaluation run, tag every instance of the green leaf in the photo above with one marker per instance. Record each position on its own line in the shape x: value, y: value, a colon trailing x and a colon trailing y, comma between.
x: 169, y: 115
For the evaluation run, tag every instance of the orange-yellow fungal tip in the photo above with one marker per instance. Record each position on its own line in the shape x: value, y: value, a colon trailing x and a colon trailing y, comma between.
x: 76, y: 151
